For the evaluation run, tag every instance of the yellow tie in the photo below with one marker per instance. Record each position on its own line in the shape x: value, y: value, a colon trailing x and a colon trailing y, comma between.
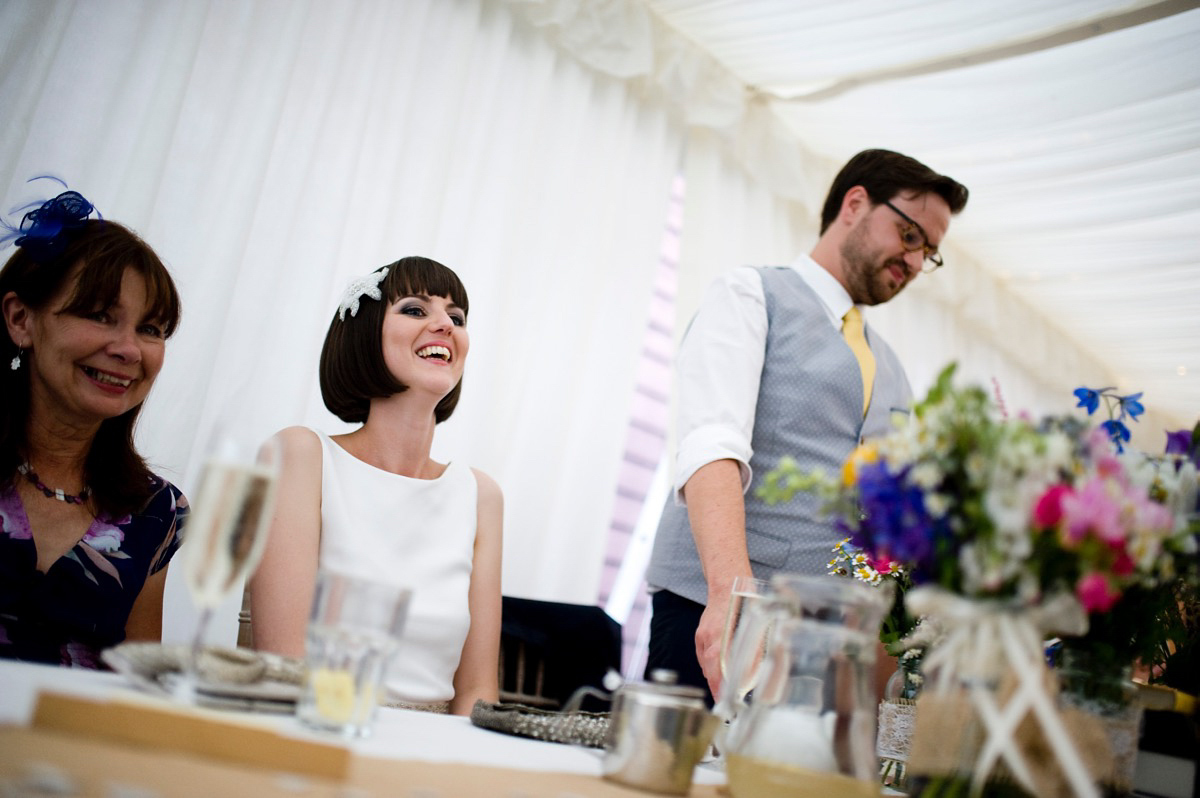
x: 852, y: 331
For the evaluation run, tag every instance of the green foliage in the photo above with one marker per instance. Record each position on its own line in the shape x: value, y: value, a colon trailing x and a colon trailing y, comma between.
x: 785, y: 480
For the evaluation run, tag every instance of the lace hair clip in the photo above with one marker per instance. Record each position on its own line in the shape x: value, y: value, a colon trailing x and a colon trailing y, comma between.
x: 43, y: 231
x: 364, y: 286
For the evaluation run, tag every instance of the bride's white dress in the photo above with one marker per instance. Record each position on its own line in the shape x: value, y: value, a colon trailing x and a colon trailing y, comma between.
x: 419, y: 533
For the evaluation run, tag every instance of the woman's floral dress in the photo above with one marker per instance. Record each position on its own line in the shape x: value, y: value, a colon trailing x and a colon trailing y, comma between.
x: 80, y: 606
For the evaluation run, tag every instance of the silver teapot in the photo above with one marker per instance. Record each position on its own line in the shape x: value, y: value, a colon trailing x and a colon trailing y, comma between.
x: 657, y: 734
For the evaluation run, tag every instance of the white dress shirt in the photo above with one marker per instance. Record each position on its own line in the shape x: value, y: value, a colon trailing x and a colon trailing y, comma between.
x: 720, y: 362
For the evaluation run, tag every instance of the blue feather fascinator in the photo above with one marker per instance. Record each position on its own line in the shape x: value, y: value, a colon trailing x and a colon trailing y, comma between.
x: 45, y: 228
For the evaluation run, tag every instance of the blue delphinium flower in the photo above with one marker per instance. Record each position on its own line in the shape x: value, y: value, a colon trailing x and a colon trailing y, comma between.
x: 897, y: 525
x: 1118, y: 432
x: 1119, y: 408
x: 1088, y: 398
x: 1130, y: 405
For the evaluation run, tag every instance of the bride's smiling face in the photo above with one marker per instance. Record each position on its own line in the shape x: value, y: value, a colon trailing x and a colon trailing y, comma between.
x: 425, y: 342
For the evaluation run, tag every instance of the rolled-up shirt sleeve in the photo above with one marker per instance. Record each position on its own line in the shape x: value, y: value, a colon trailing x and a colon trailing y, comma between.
x: 719, y: 365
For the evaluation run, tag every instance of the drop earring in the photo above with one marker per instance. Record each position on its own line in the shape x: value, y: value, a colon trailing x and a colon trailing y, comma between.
x: 15, y: 364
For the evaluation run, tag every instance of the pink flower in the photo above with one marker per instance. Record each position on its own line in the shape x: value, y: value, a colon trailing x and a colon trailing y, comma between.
x: 1092, y: 511
x: 1150, y: 515
x: 1109, y: 466
x: 1095, y: 593
x: 1048, y: 510
x: 1100, y: 447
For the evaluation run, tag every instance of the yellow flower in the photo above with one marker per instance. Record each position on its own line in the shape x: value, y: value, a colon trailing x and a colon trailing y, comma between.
x: 865, y: 454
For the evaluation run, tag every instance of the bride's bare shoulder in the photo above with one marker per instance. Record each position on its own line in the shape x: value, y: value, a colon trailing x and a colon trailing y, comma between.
x: 299, y: 445
x: 489, y: 489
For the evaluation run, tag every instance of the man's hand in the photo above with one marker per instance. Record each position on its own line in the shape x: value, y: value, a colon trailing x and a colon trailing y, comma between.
x: 717, y: 513
x: 708, y: 640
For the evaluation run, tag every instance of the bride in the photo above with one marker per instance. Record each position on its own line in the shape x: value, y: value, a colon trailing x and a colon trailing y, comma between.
x: 372, y: 502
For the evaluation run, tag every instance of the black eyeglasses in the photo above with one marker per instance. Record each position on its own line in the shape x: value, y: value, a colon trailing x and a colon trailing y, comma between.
x: 913, y: 238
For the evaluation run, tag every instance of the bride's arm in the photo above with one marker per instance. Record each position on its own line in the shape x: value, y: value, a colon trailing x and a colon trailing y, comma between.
x: 281, y: 590
x: 477, y: 676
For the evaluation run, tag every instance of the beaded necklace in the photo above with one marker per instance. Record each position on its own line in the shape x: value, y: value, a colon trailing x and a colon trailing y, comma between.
x: 53, y: 493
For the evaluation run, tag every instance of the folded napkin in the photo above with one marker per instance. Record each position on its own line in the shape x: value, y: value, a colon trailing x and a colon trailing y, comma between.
x: 228, y: 678
x: 576, y: 728
x: 215, y: 664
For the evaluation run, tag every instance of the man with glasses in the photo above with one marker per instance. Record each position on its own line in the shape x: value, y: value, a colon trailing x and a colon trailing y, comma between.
x: 777, y: 362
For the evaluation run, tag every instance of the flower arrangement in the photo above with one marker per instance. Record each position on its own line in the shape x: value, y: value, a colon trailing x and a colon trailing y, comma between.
x: 1146, y: 621
x: 1012, y: 529
x: 999, y: 508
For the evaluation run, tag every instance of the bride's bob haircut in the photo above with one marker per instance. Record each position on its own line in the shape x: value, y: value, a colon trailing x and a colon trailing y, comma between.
x: 352, y: 370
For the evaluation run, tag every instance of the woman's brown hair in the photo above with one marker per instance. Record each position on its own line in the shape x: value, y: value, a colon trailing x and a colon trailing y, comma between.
x: 95, y: 254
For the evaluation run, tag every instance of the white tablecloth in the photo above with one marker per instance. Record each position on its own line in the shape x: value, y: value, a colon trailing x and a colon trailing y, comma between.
x: 399, y: 734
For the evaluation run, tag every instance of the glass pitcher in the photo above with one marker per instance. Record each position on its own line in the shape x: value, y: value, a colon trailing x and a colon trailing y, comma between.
x: 803, y: 714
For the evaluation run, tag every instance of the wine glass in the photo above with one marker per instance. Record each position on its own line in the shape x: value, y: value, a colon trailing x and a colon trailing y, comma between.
x: 226, y: 532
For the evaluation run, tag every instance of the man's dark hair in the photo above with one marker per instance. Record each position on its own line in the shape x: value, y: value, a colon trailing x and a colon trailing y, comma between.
x: 884, y: 174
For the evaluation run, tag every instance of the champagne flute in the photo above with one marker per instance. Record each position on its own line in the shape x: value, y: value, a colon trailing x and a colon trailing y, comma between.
x: 227, y: 531
x: 746, y: 589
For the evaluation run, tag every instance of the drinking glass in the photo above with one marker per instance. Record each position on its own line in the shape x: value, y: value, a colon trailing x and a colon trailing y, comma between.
x: 353, y: 633
x: 747, y: 590
x: 227, y: 531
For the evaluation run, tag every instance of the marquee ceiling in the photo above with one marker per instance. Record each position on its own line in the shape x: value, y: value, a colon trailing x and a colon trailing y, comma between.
x: 1075, y: 124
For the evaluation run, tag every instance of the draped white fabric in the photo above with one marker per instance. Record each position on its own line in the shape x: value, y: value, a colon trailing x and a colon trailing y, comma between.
x: 272, y: 151
x: 1073, y: 123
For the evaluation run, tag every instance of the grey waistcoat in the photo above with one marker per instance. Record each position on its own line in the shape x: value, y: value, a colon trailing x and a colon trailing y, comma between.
x: 810, y: 407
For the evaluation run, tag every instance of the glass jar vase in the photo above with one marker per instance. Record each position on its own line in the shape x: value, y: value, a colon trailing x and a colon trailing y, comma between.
x: 1107, y: 694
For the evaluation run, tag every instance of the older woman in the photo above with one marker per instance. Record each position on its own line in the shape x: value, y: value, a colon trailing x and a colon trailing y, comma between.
x: 86, y: 529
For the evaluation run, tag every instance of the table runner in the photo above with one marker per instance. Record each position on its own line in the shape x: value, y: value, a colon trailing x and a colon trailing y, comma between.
x: 96, y: 767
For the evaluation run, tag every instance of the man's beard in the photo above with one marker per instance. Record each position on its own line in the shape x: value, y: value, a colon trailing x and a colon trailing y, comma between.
x: 867, y: 279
